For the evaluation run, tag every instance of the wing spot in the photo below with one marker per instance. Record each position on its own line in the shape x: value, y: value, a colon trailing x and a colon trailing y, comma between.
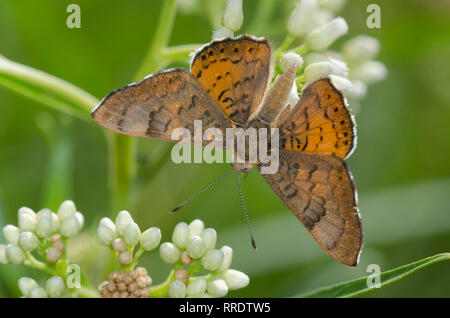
x: 222, y: 50
x: 203, y: 57
x: 336, y: 109
x: 236, y: 50
x: 342, y: 122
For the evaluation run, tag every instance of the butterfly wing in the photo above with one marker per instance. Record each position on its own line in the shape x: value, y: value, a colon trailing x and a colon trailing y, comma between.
x: 319, y: 123
x: 235, y: 72
x: 157, y: 105
x: 320, y: 191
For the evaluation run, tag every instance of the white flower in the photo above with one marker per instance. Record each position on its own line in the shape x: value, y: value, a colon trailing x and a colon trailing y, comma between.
x: 361, y: 48
x: 3, y: 258
x: 315, y: 57
x: 28, y: 241
x: 55, y: 222
x: 212, y: 260
x: 118, y: 244
x: 217, y: 288
x: 196, y: 247
x: 177, y: 289
x: 341, y: 83
x: 320, y: 17
x: 289, y: 59
x: 66, y: 210
x: 55, y: 286
x: 235, y: 279
x: 292, y: 98
x: 233, y: 15
x: 299, y: 20
x: 359, y: 90
x: 125, y: 257
x: 369, y: 72
x: 132, y: 234
x: 150, y: 238
x: 316, y: 71
x: 53, y: 254
x: 197, y: 288
x: 227, y: 258
x: 332, y: 5
x: 70, y: 226
x: 169, y: 253
x: 339, y: 67
x: 106, y: 231
x: 38, y: 292
x: 44, y: 224
x: 26, y: 285
x: 122, y: 220
x: 80, y: 218
x: 14, y: 254
x: 209, y: 236
x: 27, y: 219
x: 11, y: 234
x: 180, y: 236
x: 222, y: 33
x: 322, y: 37
x: 196, y: 228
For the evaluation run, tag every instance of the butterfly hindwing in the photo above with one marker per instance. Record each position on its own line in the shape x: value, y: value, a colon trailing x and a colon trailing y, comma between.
x: 320, y: 191
x: 235, y: 72
x: 157, y: 105
x: 319, y: 123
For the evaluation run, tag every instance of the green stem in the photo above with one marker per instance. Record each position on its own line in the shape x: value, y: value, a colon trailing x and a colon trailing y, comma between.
x: 284, y: 46
x: 179, y: 52
x: 160, y: 291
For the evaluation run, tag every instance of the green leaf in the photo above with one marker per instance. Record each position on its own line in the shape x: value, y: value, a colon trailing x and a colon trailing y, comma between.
x: 359, y: 286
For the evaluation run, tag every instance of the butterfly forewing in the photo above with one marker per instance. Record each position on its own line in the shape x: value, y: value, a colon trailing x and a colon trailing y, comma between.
x: 235, y: 72
x: 319, y: 190
x: 157, y: 105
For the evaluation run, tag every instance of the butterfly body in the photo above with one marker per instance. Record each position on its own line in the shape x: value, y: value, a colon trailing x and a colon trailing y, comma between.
x: 228, y: 88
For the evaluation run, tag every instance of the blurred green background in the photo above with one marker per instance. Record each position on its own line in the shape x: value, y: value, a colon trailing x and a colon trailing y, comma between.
x: 401, y: 165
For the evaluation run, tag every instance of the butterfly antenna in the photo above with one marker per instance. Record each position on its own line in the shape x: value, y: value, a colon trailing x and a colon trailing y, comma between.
x: 245, y: 212
x: 204, y: 190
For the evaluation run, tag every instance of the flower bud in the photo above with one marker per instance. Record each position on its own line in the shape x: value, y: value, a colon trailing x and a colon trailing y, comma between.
x: 341, y: 83
x: 28, y: 241
x: 150, y: 238
x: 132, y: 234
x: 217, y: 288
x: 316, y: 71
x: 70, y: 226
x: 3, y: 258
x: 11, y: 234
x: 185, y: 259
x: 182, y: 275
x: 80, y: 218
x: 180, y: 236
x: 209, y: 236
x: 66, y: 210
x: 56, y: 241
x: 292, y: 98
x: 26, y: 285
x: 53, y: 254
x: 289, y: 59
x: 359, y: 90
x: 212, y: 260
x: 27, y: 219
x: 369, y: 72
x: 122, y: 220
x: 235, y: 279
x: 360, y: 48
x: 125, y: 257
x: 299, y: 20
x: 227, y: 258
x: 196, y: 228
x: 222, y: 33
x: 233, y: 15
x: 14, y: 254
x: 38, y: 292
x: 339, y: 67
x: 44, y: 223
x: 196, y: 288
x: 55, y: 222
x: 315, y: 57
x: 106, y: 231
x: 119, y: 245
x: 169, y: 253
x: 320, y: 17
x: 177, y: 289
x: 55, y: 286
x: 322, y: 37
x: 332, y: 5
x: 196, y: 247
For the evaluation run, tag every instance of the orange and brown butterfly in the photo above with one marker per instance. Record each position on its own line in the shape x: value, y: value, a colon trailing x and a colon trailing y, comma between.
x: 228, y: 87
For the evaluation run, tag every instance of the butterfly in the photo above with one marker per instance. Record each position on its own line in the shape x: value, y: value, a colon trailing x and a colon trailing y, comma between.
x: 228, y: 87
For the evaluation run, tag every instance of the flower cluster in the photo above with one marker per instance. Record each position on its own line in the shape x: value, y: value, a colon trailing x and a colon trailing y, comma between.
x: 193, y: 249
x: 43, y: 232
x: 54, y: 287
x: 132, y: 284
